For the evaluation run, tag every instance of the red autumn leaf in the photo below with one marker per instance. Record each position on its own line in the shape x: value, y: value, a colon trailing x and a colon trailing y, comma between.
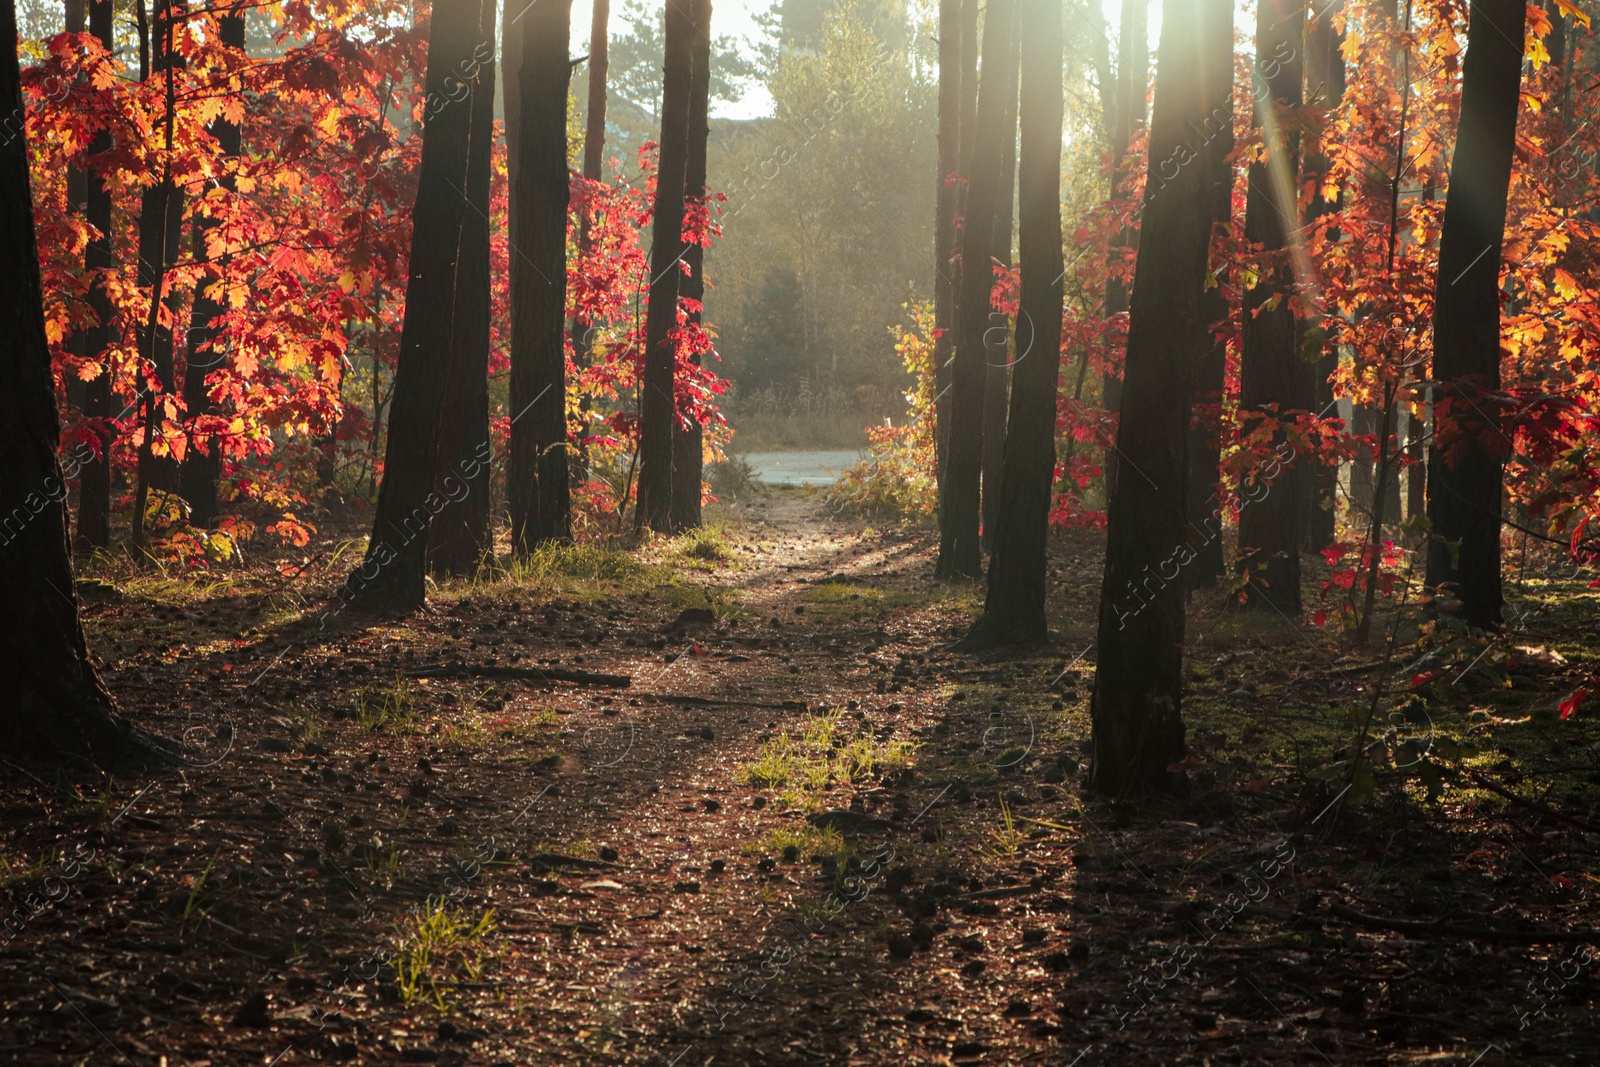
x: 1569, y: 707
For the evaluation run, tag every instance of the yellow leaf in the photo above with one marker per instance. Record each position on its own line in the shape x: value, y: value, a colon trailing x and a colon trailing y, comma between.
x: 1566, y: 284
x: 1568, y: 7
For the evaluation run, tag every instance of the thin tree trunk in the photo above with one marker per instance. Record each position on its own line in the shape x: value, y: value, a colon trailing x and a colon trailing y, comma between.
x: 94, y: 486
x: 1136, y: 709
x: 997, y: 377
x: 460, y: 537
x: 967, y: 136
x: 1014, y: 612
x: 975, y: 344
x: 947, y: 195
x: 540, y: 500
x: 657, y: 407
x: 160, y: 231
x: 202, y: 460
x: 1271, y: 370
x: 76, y: 12
x: 1464, y: 490
x: 1325, y: 82
x: 594, y: 145
x: 393, y: 574
x: 1205, y: 425
x: 54, y: 700
x: 1133, y: 78
x: 688, y: 445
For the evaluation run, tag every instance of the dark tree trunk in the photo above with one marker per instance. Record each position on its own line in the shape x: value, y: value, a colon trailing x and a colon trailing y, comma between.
x: 1205, y: 426
x: 1363, y: 423
x: 160, y: 231
x: 1138, y: 689
x: 460, y: 538
x: 594, y: 146
x: 687, y: 441
x: 541, y: 504
x: 657, y: 409
x: 1014, y: 611
x: 976, y: 343
x: 54, y: 701
x: 1133, y: 77
x: 1325, y: 82
x: 202, y: 463
x: 966, y: 140
x: 1464, y: 464
x: 944, y: 219
x: 1271, y: 370
x: 94, y: 486
x: 393, y: 574
x: 997, y: 376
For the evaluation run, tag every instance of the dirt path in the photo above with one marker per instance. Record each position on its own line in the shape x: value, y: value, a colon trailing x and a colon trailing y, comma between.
x: 802, y: 836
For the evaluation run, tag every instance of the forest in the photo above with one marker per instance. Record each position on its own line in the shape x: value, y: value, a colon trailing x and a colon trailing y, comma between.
x: 809, y: 532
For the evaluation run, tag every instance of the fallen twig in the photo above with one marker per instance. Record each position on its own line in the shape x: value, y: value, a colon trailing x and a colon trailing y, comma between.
x: 1415, y: 928
x: 523, y: 674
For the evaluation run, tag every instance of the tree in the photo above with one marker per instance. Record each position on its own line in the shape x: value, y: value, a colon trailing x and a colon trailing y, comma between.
x: 657, y: 406
x: 94, y: 492
x: 1014, y: 610
x: 1127, y: 117
x: 946, y: 196
x: 996, y: 372
x: 202, y: 459
x: 460, y: 537
x: 54, y: 702
x: 1138, y: 687
x: 976, y: 344
x: 967, y: 138
x: 1205, y: 426
x: 1325, y: 84
x: 594, y: 146
x: 1464, y: 463
x: 393, y: 574
x: 160, y: 229
x: 1274, y: 382
x: 537, y: 485
x: 688, y: 445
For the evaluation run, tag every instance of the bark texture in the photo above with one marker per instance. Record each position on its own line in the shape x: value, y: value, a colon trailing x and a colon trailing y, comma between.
x: 1464, y: 462
x: 1137, y: 704
x: 1014, y: 612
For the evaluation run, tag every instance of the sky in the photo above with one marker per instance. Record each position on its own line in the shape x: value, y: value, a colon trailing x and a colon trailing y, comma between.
x: 736, y: 18
x: 729, y: 18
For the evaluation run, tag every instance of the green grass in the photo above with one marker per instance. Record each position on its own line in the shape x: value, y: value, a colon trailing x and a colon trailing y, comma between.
x: 824, y: 753
x: 437, y: 946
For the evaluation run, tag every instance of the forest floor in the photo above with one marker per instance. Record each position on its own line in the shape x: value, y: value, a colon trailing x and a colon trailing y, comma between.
x: 804, y: 834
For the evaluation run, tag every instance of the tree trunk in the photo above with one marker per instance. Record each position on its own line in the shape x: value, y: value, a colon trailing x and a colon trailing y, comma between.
x: 160, y: 231
x: 657, y: 409
x: 1138, y: 689
x: 688, y: 444
x: 947, y: 196
x: 460, y: 537
x: 1133, y: 78
x: 202, y: 462
x: 94, y: 486
x: 1271, y: 370
x: 966, y: 139
x: 594, y: 145
x: 1205, y: 424
x: 976, y: 344
x: 541, y: 504
x: 1464, y: 464
x: 393, y: 574
x: 1325, y: 82
x: 1014, y: 611
x: 54, y: 700
x: 997, y: 373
